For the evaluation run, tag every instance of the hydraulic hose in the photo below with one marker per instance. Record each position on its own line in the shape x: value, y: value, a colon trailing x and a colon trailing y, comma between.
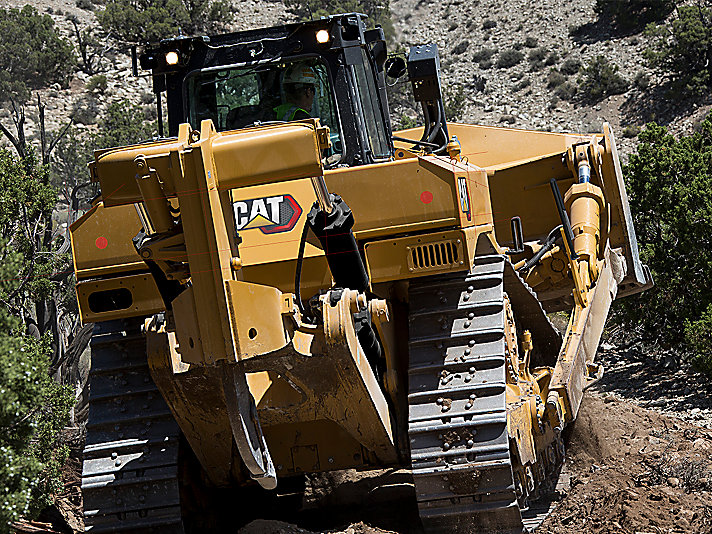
x: 553, y: 236
x: 568, y: 232
x: 298, y: 270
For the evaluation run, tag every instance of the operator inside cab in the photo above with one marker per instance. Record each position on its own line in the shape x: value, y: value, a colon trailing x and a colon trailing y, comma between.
x: 242, y: 96
x: 299, y: 87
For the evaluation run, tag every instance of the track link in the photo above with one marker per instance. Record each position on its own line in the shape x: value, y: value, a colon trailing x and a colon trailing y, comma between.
x: 457, y: 424
x: 130, y: 471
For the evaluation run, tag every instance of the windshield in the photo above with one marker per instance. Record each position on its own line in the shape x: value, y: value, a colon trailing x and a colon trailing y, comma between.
x: 241, y: 96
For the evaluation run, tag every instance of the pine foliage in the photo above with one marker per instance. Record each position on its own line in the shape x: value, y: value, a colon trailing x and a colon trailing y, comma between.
x: 634, y: 14
x: 145, y: 21
x: 378, y: 11
x: 33, y: 408
x: 670, y: 189
x: 599, y: 79
x: 682, y: 49
x: 32, y: 54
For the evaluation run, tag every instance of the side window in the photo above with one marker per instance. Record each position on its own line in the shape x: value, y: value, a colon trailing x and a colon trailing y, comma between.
x: 368, y: 95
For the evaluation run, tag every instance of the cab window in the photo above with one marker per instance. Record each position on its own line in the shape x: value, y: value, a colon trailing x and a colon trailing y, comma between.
x: 238, y: 97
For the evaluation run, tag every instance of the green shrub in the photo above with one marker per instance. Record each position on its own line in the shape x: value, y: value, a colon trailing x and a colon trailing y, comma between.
x: 555, y: 79
x: 85, y: 111
x: 523, y: 84
x: 670, y: 192
x: 489, y: 24
x: 406, y: 122
x: 531, y: 42
x: 551, y: 59
x: 682, y: 49
x: 537, y: 57
x: 85, y: 4
x: 483, y: 57
x: 600, y: 79
x: 633, y: 14
x: 631, y: 131
x: 378, y: 11
x: 455, y: 100
x: 97, y: 83
x: 570, y: 66
x: 461, y: 47
x: 641, y: 81
x: 509, y: 58
x: 33, y: 409
x: 142, y: 21
x: 566, y: 91
x: 122, y: 124
x: 698, y: 336
x: 32, y: 53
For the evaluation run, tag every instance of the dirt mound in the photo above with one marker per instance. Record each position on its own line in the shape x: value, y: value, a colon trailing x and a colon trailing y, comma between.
x: 634, y: 471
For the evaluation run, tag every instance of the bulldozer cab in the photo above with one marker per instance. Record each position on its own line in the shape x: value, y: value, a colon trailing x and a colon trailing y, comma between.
x: 240, y: 79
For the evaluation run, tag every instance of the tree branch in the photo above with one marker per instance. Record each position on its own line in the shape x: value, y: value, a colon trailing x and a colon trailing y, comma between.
x: 11, y: 137
x: 43, y: 133
x: 61, y: 134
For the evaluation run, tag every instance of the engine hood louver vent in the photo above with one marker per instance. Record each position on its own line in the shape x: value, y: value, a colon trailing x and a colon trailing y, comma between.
x: 434, y: 256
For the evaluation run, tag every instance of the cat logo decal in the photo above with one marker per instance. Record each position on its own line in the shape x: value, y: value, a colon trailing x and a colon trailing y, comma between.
x: 270, y: 214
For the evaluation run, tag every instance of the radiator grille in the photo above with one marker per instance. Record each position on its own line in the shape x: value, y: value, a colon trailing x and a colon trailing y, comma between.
x: 434, y: 255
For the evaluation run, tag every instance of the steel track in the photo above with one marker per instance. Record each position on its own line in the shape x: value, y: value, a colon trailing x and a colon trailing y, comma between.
x: 457, y: 425
x: 130, y: 472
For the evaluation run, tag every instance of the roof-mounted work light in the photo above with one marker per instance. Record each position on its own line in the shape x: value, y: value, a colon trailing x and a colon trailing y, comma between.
x: 322, y: 36
x: 172, y: 58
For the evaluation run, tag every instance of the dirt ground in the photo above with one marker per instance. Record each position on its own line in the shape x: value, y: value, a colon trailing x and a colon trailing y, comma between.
x: 632, y: 471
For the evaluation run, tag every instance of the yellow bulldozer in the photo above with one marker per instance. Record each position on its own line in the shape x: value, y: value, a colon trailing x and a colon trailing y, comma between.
x: 282, y: 285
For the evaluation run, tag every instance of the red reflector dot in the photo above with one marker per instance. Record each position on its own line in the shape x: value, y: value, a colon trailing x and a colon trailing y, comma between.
x: 426, y: 197
x: 102, y: 242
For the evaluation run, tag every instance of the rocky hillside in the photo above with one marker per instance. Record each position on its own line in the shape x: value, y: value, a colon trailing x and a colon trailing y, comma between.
x: 87, y: 105
x: 508, y: 63
x: 551, y: 35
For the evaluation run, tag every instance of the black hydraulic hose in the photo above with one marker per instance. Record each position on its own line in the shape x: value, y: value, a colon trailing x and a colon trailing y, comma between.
x: 405, y: 140
x: 442, y: 126
x: 438, y: 125
x: 551, y: 239
x: 426, y: 122
x: 298, y: 271
x: 568, y: 232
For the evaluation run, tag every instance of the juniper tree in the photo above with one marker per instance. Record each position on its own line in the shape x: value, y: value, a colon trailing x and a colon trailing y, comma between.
x: 670, y: 190
x: 144, y: 21
x: 33, y: 408
x: 682, y: 49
